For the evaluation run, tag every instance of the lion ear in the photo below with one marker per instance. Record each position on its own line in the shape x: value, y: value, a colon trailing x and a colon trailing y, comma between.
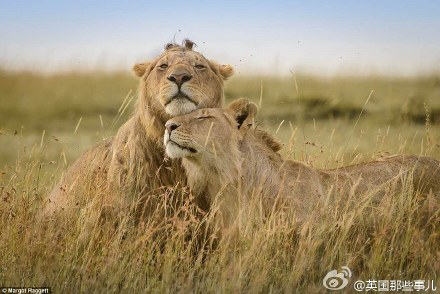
x: 244, y: 112
x: 226, y: 70
x: 139, y: 69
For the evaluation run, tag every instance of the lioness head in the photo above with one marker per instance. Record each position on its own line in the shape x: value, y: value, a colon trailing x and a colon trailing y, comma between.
x: 179, y: 81
x: 211, y: 133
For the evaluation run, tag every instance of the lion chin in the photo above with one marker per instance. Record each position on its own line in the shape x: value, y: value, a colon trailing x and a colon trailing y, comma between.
x: 180, y: 106
x: 179, y: 101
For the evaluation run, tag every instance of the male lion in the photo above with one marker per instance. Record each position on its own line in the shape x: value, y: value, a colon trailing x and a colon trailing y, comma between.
x: 226, y: 159
x: 177, y: 82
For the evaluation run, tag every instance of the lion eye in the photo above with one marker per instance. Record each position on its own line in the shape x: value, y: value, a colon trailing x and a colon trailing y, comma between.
x: 163, y: 66
x: 200, y: 66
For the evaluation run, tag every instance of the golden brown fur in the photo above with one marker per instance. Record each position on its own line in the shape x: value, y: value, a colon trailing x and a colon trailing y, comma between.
x: 236, y: 164
x: 132, y: 163
x: 226, y: 159
x: 385, y: 175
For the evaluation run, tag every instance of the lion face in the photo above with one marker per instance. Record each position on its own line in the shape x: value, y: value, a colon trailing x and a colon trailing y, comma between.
x: 180, y: 81
x: 203, y: 133
x: 208, y: 134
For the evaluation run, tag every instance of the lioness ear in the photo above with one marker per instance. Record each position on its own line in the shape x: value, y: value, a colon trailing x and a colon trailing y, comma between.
x: 226, y: 71
x: 244, y: 112
x: 139, y: 69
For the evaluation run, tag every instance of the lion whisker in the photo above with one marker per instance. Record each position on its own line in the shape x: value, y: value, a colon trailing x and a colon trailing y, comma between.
x: 209, y: 133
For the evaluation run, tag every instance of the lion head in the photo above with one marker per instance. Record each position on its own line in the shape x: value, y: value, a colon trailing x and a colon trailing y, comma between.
x: 179, y: 81
x: 208, y: 134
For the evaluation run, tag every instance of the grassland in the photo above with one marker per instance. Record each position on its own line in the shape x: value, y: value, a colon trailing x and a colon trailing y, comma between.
x: 47, y: 121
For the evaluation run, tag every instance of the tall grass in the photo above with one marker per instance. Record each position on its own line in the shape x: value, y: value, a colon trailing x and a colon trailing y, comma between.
x: 396, y: 239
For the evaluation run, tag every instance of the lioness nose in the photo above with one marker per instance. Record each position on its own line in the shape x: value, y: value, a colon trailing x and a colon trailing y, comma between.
x: 171, y: 126
x: 179, y: 78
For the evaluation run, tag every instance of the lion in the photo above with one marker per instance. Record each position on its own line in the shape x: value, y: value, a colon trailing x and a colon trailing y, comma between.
x: 228, y: 161
x: 176, y: 82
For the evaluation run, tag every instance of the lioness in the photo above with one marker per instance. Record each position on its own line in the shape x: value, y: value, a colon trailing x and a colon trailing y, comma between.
x: 226, y: 158
x: 178, y: 81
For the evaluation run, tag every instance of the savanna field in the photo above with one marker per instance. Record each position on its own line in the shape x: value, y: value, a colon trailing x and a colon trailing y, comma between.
x: 46, y: 121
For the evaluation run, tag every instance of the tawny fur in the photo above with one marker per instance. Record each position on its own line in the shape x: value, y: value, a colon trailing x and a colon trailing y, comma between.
x: 236, y: 165
x: 133, y: 161
x: 234, y: 161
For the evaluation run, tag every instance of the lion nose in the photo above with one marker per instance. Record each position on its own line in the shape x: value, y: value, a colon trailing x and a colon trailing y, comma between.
x: 179, y: 78
x: 171, y: 126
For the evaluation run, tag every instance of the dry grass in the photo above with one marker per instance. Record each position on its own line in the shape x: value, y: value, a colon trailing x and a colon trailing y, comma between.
x: 396, y: 239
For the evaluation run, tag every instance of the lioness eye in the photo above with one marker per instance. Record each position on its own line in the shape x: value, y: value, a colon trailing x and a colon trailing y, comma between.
x: 163, y: 66
x: 200, y: 66
x: 204, y: 117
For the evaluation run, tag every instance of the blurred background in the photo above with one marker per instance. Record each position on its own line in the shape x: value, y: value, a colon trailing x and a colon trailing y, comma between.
x: 337, y: 82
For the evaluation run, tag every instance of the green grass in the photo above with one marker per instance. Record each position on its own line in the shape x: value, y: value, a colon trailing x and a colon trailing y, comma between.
x: 31, y: 104
x: 319, y: 121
